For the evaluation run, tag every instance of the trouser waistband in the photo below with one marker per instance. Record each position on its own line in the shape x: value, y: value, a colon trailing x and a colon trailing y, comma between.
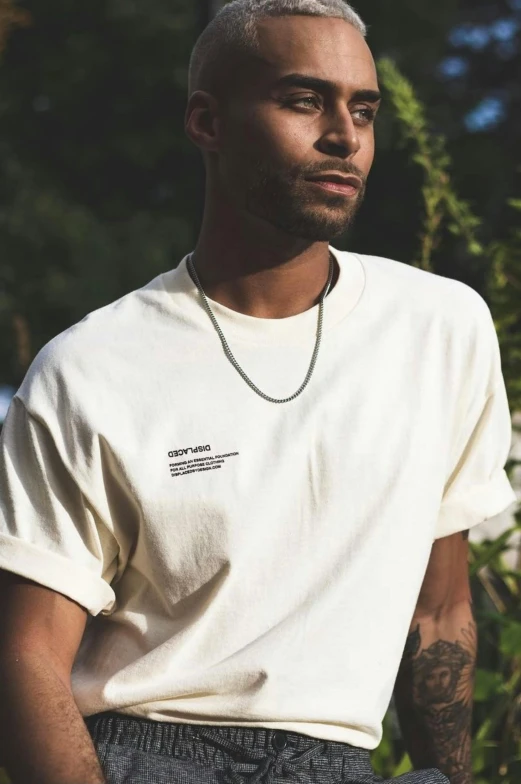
x: 219, y: 746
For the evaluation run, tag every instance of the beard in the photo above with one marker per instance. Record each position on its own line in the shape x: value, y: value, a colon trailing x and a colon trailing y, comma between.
x: 287, y: 201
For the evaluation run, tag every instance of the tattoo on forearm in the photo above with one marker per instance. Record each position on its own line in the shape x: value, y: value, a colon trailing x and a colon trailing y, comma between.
x: 442, y: 677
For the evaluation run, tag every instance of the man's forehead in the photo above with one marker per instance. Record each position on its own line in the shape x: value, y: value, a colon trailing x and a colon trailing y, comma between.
x: 328, y: 48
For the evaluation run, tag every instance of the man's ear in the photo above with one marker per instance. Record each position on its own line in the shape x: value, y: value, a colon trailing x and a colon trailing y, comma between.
x: 202, y: 124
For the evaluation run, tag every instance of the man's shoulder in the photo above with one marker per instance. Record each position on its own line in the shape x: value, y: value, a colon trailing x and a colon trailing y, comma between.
x: 424, y: 293
x: 89, y: 349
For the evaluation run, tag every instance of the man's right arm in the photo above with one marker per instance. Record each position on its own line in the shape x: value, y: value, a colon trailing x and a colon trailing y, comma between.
x: 43, y: 737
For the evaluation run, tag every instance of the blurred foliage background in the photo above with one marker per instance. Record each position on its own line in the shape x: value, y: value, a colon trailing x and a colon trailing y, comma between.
x: 100, y: 191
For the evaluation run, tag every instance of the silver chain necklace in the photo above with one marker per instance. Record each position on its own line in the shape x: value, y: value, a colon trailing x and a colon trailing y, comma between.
x: 227, y: 349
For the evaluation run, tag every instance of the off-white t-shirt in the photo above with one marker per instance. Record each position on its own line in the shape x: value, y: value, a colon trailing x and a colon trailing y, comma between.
x: 245, y: 562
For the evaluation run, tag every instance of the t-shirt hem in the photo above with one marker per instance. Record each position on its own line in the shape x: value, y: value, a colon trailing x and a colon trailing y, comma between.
x: 320, y: 730
x: 56, y: 572
x: 463, y: 511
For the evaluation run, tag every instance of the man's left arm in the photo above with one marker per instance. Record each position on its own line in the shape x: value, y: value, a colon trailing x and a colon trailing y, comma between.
x: 435, y: 683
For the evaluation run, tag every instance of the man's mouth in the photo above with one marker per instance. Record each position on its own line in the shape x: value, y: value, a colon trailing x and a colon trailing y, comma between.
x: 348, y: 185
x: 346, y: 190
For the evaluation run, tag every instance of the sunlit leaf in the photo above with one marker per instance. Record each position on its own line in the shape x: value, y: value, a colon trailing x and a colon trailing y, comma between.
x: 404, y: 766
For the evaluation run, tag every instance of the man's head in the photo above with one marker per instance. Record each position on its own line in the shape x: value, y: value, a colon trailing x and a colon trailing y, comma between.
x: 282, y: 92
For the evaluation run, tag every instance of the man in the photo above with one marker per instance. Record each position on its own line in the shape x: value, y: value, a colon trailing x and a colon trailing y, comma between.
x: 255, y: 475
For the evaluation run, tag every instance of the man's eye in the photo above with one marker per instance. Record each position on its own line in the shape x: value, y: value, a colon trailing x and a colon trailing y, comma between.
x: 367, y: 115
x: 305, y: 99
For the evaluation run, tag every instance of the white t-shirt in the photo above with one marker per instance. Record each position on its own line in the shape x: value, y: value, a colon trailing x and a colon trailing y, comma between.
x: 245, y: 562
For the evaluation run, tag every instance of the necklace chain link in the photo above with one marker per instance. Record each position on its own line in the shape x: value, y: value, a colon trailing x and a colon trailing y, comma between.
x: 228, y: 351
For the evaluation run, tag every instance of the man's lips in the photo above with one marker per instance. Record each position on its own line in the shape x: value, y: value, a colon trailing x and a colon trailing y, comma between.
x: 347, y: 190
x: 348, y: 185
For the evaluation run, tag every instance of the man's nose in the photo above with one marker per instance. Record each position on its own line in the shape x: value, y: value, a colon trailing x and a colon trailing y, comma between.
x: 341, y: 135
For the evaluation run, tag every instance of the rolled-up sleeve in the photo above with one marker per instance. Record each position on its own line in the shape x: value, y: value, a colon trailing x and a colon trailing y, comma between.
x: 49, y: 532
x: 477, y: 486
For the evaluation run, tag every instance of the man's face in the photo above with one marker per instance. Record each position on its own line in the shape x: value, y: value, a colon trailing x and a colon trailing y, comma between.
x: 279, y: 129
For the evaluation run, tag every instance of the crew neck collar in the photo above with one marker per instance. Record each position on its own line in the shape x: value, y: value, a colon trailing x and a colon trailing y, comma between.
x: 338, y: 304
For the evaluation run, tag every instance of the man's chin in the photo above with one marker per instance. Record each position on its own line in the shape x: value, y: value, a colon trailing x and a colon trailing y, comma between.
x: 322, y: 225
x: 318, y: 236
x: 308, y: 222
x: 316, y: 231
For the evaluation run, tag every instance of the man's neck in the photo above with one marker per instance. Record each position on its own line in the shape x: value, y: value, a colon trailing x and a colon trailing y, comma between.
x: 260, y: 280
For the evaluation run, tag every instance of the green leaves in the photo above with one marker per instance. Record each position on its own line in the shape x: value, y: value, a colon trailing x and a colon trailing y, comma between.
x: 487, y: 685
x: 485, y: 553
x: 443, y: 207
x: 496, y: 587
x: 444, y: 210
x: 510, y: 641
x: 404, y: 766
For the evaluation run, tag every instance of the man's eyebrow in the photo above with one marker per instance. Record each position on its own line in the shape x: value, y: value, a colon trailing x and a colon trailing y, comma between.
x: 314, y: 83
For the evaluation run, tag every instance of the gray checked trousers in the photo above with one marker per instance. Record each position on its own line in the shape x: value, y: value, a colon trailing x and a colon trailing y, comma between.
x: 139, y: 751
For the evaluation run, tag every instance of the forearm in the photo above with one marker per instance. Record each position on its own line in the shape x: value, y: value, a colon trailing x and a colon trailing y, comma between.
x: 45, y: 740
x: 434, y: 692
